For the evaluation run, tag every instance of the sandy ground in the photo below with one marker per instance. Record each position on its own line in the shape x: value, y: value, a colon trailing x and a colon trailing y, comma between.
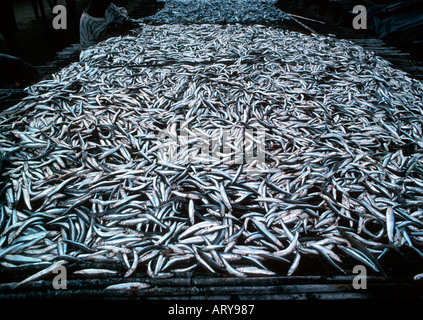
x: 38, y: 42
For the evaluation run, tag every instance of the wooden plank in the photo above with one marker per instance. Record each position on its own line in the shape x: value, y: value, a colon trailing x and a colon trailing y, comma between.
x: 319, y: 287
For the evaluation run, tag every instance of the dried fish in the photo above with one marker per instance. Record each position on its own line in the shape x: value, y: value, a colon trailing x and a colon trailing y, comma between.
x: 230, y: 149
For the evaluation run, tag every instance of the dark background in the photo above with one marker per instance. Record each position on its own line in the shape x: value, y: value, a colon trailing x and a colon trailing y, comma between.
x: 37, y: 42
x: 399, y: 23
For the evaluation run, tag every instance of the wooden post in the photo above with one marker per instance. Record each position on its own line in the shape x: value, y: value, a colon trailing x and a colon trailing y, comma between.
x: 35, y: 7
x: 43, y: 13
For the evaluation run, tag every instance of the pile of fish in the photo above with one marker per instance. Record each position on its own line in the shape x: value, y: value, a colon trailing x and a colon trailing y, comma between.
x: 96, y: 167
x: 218, y: 11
